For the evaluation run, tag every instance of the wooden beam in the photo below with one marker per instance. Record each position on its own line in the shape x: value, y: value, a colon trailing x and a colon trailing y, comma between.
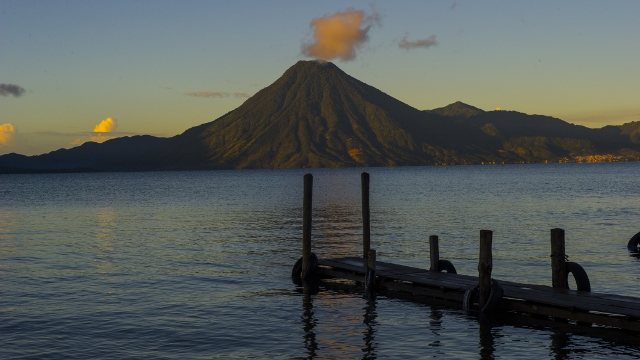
x: 366, y: 216
x: 306, y: 222
x: 485, y: 266
x: 370, y: 280
x: 434, y: 253
x: 558, y: 259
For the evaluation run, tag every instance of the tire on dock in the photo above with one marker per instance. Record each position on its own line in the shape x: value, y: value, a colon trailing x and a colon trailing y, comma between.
x: 471, y: 297
x: 633, y: 243
x: 581, y: 277
x: 296, y: 272
x: 446, y: 265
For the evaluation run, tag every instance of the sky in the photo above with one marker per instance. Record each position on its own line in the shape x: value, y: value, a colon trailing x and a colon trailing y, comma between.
x: 77, y: 71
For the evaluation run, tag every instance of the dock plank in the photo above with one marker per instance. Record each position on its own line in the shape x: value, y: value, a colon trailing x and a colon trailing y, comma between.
x: 436, y: 284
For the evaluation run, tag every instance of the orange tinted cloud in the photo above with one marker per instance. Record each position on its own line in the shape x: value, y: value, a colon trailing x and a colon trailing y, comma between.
x: 7, y: 133
x: 11, y: 140
x: 339, y: 35
x: 106, y: 125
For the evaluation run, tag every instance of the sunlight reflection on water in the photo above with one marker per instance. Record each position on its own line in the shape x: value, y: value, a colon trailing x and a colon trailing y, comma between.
x: 197, y: 264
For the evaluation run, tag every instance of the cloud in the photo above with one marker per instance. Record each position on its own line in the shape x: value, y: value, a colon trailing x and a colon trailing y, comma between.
x: 454, y: 5
x: 339, y: 35
x: 424, y: 43
x: 106, y: 125
x: 11, y: 89
x: 216, y: 94
x: 7, y: 134
x: 11, y: 140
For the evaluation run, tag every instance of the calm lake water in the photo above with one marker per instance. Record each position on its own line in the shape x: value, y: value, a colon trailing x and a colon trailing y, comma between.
x: 188, y: 265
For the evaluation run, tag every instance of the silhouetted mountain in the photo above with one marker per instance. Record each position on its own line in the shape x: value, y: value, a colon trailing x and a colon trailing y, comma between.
x: 119, y: 154
x: 315, y: 115
x: 458, y: 110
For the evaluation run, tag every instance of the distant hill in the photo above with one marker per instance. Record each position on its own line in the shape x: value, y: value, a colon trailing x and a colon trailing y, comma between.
x: 119, y: 154
x: 458, y: 110
x: 315, y: 115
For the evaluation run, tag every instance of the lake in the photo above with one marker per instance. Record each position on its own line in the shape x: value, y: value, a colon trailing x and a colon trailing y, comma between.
x: 196, y: 265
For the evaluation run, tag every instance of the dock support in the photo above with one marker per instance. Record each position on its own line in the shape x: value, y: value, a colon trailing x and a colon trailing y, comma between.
x: 558, y: 259
x: 306, y: 222
x: 485, y: 265
x: 370, y: 278
x: 434, y: 252
x: 366, y: 219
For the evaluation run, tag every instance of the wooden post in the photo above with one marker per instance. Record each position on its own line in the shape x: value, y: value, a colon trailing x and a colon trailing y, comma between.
x: 370, y: 278
x: 485, y: 265
x: 434, y: 252
x: 366, y: 219
x: 306, y: 222
x: 558, y: 259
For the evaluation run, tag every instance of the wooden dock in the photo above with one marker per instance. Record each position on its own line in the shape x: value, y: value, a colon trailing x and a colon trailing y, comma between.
x: 585, y: 307
x: 481, y: 294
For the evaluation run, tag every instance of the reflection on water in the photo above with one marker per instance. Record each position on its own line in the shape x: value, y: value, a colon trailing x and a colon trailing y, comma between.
x: 197, y: 264
x: 369, y: 320
x: 559, y: 345
x: 435, y: 325
x: 487, y: 348
x: 309, y: 323
x: 337, y: 230
x: 103, y: 245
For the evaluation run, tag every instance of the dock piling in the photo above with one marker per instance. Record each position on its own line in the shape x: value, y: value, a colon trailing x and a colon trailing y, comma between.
x: 485, y: 266
x: 366, y: 219
x: 558, y: 259
x: 306, y: 222
x: 370, y: 278
x: 434, y: 252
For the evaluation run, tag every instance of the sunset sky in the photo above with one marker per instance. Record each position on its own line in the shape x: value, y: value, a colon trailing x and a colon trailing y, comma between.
x: 76, y: 71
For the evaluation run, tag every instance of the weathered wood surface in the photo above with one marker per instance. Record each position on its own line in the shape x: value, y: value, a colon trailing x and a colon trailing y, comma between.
x: 366, y: 215
x: 434, y: 253
x: 558, y: 259
x: 604, y: 309
x: 370, y: 281
x: 485, y: 266
x: 307, y: 205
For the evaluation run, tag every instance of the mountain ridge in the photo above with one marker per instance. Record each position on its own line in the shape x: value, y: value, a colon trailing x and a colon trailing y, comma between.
x: 316, y: 115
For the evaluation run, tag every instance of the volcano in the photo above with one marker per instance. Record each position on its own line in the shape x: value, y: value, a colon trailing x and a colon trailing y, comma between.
x: 316, y: 115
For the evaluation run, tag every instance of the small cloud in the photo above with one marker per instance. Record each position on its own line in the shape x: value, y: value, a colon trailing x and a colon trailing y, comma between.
x: 99, y: 135
x: 11, y: 89
x: 339, y: 35
x: 424, y: 43
x: 454, y: 5
x: 216, y: 94
x: 11, y: 140
x: 106, y: 125
x: 7, y: 133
